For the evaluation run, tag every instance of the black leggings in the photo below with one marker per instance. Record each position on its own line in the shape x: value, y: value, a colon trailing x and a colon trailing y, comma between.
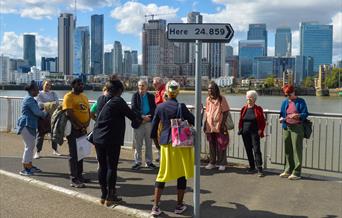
x: 181, y: 183
x: 108, y: 158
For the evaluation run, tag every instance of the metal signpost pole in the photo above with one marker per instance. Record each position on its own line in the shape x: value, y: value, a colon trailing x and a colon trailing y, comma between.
x: 198, y: 106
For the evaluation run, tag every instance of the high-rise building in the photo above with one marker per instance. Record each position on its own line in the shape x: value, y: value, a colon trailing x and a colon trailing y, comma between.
x: 263, y: 67
x: 66, y: 27
x: 283, y: 65
x: 108, y: 63
x: 49, y: 64
x: 216, y: 60
x: 154, y: 43
x: 316, y: 41
x: 117, y: 58
x: 233, y: 65
x: 248, y: 50
x: 4, y: 69
x: 30, y: 49
x: 258, y: 32
x: 283, y: 42
x: 96, y: 44
x: 191, y: 18
x: 82, y: 51
x: 181, y: 54
x: 127, y: 63
x: 134, y: 54
x: 303, y: 68
x: 228, y: 51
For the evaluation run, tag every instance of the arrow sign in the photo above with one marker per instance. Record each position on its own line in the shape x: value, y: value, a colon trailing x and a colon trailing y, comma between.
x: 205, y: 32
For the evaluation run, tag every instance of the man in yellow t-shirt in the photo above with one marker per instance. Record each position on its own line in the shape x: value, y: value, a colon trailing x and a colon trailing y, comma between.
x: 76, y: 106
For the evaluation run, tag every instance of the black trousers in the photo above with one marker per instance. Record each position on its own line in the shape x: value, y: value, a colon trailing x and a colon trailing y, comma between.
x: 76, y: 167
x: 40, y: 141
x: 181, y: 183
x: 108, y: 158
x: 251, y: 141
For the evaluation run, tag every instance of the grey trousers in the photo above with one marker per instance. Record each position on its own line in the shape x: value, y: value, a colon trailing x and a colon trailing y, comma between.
x: 142, y: 134
x: 29, y: 142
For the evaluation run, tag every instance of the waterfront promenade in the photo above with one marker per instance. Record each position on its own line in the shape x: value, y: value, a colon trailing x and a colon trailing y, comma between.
x: 232, y: 193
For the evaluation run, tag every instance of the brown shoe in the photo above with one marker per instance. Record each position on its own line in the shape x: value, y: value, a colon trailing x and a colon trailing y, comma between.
x: 102, y: 201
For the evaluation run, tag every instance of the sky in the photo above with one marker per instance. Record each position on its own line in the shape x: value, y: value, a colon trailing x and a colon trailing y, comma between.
x: 123, y: 20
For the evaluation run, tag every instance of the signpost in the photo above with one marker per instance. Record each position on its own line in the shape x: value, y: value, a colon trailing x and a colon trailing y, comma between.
x: 207, y: 32
x: 198, y: 33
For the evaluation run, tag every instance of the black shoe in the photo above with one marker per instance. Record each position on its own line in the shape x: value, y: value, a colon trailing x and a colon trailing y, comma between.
x: 261, y: 173
x: 77, y: 184
x: 251, y: 170
x: 151, y: 166
x: 136, y: 166
x: 84, y: 180
x: 113, y: 200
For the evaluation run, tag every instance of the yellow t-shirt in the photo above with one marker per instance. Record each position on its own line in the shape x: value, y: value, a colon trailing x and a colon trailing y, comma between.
x: 79, y: 105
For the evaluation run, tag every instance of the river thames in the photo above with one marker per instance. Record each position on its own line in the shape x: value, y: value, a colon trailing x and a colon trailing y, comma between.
x: 315, y: 103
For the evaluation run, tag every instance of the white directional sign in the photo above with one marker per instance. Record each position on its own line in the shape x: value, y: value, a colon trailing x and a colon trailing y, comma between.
x: 206, y: 32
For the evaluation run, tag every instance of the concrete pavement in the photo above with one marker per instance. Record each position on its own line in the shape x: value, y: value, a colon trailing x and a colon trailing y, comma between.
x: 232, y: 193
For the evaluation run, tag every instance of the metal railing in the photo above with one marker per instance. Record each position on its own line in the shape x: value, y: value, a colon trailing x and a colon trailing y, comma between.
x: 323, y: 151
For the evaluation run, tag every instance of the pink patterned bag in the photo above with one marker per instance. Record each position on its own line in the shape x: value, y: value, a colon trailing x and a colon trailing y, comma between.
x: 181, y: 131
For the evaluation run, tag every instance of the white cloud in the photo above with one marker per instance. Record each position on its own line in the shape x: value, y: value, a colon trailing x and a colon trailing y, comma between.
x: 337, y: 22
x: 139, y: 58
x: 295, y: 42
x: 131, y: 15
x: 108, y: 47
x: 12, y: 46
x: 40, y: 9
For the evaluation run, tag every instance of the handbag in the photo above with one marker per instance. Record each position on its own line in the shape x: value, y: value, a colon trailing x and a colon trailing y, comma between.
x: 181, y: 131
x: 229, y: 122
x: 90, y: 136
x: 307, y: 124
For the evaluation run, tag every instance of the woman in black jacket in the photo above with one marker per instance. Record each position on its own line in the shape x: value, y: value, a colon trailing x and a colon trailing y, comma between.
x: 108, y: 136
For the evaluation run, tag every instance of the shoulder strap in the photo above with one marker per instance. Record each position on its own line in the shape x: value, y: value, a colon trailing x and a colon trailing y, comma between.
x: 103, y: 107
x: 179, y: 111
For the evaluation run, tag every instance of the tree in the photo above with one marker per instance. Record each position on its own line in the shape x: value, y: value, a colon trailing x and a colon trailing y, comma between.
x: 269, y: 81
x: 332, y: 80
x: 308, y: 82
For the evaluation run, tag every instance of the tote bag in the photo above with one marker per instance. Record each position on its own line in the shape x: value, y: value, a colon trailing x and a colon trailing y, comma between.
x: 181, y: 131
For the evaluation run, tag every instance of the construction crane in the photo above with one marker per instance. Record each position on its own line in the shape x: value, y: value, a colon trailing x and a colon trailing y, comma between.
x: 153, y: 15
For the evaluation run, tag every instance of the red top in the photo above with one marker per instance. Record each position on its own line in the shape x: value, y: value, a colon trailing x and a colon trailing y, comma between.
x: 259, y: 116
x: 159, y: 95
x: 291, y: 109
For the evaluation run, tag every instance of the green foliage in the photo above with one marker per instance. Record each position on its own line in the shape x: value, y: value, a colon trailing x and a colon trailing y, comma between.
x: 332, y: 80
x: 269, y: 81
x: 308, y: 82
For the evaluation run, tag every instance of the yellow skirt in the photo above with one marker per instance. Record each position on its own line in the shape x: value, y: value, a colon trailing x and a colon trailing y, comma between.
x: 175, y: 163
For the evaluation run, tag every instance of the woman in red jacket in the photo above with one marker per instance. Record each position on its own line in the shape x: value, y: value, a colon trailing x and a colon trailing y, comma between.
x: 251, y: 126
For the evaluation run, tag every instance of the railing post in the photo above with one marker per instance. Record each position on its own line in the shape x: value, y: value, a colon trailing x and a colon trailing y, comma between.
x: 265, y: 143
x: 9, y: 115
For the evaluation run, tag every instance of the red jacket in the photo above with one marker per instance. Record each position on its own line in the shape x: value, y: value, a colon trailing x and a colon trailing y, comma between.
x: 159, y: 95
x: 259, y: 115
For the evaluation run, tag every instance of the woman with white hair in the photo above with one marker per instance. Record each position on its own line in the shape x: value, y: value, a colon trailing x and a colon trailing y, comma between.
x: 251, y: 126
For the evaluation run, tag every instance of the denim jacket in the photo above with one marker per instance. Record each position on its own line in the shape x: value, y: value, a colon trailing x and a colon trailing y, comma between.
x: 300, y: 107
x: 30, y: 113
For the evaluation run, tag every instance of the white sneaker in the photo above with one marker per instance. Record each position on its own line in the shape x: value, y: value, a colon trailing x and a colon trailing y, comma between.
x: 36, y: 155
x: 222, y: 168
x: 294, y: 177
x: 56, y: 153
x: 210, y: 166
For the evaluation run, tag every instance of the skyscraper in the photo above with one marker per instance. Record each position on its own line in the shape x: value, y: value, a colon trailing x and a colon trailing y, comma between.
x: 49, y: 64
x: 303, y: 68
x: 154, y: 43
x: 283, y: 42
x: 216, y: 59
x: 316, y: 41
x: 127, y: 63
x: 4, y: 69
x: 108, y: 63
x: 258, y: 32
x: 66, y: 27
x: 117, y: 58
x: 228, y: 51
x: 96, y: 44
x: 81, y: 58
x: 263, y: 67
x: 248, y: 50
x: 134, y: 54
x: 30, y: 49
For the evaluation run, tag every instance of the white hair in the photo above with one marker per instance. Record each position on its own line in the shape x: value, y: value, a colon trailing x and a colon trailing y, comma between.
x: 142, y: 81
x: 158, y: 80
x: 252, y: 93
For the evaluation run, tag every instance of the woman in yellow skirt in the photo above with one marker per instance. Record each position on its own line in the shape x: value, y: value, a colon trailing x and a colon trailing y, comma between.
x: 175, y: 163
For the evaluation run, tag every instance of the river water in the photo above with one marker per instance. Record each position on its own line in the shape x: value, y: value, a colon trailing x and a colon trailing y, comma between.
x: 315, y: 103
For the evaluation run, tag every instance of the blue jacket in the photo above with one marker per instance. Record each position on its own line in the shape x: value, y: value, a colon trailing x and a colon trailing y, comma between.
x: 30, y: 113
x: 300, y: 107
x: 164, y: 113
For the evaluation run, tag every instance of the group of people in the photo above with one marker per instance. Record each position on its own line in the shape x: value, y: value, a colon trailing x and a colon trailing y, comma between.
x: 150, y: 116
